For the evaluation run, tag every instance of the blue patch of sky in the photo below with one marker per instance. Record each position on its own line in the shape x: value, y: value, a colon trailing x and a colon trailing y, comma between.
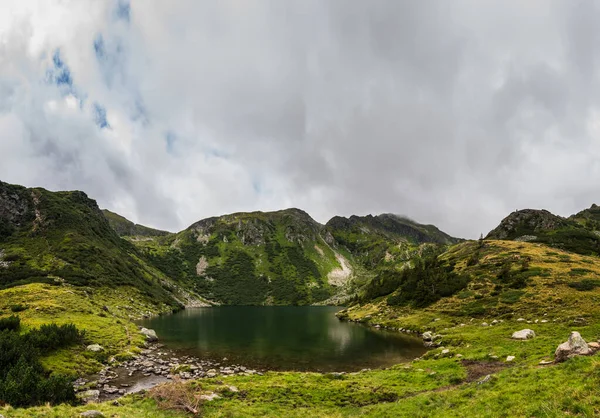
x: 100, y: 116
x: 99, y: 47
x: 170, y: 139
x: 139, y: 113
x: 257, y: 186
x: 123, y: 10
x: 110, y: 57
x: 60, y: 74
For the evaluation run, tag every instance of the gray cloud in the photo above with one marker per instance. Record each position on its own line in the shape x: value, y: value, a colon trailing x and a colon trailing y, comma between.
x: 453, y: 113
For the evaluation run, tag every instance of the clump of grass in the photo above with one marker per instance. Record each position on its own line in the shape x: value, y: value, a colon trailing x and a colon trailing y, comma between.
x: 18, y: 307
x: 511, y: 296
x: 178, y: 395
x: 579, y: 271
x: 585, y: 284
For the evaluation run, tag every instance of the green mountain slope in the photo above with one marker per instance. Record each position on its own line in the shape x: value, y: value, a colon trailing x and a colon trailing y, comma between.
x: 384, y: 238
x: 124, y: 227
x: 589, y: 218
x: 574, y: 234
x: 280, y: 258
x: 63, y: 237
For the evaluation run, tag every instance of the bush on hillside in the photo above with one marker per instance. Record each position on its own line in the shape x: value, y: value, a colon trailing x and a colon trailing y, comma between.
x: 23, y: 381
x: 427, y: 283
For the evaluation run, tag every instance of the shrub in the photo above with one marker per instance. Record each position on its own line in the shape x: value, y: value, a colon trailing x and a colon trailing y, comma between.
x: 23, y: 381
x: 585, y: 285
x: 18, y: 308
x: 12, y: 323
x: 426, y: 283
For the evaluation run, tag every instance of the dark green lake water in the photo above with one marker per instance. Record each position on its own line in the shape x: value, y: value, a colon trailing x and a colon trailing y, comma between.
x: 282, y: 338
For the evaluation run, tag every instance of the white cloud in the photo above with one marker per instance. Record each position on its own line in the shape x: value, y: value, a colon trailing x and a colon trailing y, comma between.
x: 452, y: 113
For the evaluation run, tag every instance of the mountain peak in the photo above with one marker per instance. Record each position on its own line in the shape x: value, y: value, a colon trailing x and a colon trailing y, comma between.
x: 527, y: 222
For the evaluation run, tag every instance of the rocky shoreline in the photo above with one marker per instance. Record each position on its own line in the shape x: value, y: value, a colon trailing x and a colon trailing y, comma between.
x: 153, y: 366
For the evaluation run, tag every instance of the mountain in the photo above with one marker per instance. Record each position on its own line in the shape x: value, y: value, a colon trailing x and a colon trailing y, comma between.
x: 283, y: 257
x: 588, y: 218
x: 575, y: 234
x: 63, y: 237
x: 274, y: 258
x: 124, y: 227
x: 384, y: 239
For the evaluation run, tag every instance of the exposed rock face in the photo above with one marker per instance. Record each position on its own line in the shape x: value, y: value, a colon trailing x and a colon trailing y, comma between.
x: 16, y: 206
x: 150, y: 334
x: 524, y: 334
x: 201, y: 266
x: 340, y: 276
x: 574, y: 346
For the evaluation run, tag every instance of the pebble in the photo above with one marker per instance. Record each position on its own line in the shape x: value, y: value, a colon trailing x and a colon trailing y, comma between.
x: 159, y: 363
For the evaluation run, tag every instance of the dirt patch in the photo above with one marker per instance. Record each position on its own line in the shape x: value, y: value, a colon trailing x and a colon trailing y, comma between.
x: 478, y: 369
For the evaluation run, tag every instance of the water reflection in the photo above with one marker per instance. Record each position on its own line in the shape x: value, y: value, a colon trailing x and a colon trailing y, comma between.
x: 283, y: 338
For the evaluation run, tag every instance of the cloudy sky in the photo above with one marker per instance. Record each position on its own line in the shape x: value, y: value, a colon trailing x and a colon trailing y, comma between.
x: 451, y: 112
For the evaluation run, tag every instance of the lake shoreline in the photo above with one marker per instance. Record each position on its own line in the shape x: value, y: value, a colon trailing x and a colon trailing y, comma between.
x: 156, y: 364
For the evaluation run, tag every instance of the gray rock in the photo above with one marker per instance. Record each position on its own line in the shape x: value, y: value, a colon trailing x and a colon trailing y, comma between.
x: 89, y: 396
x: 92, y: 414
x: 524, y: 334
x: 95, y: 348
x: 150, y: 334
x: 574, y: 346
x: 427, y: 336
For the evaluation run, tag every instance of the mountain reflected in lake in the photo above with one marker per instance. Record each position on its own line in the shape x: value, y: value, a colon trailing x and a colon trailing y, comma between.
x: 283, y: 338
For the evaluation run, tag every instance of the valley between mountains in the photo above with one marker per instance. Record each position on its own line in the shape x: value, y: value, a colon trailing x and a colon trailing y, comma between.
x: 74, y: 277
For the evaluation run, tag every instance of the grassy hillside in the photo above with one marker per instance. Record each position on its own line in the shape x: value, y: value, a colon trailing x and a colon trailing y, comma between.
x: 124, y: 227
x: 63, y: 237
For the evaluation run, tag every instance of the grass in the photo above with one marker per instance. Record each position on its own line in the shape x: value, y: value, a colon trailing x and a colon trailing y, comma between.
x: 432, y: 386
x: 437, y: 384
x: 112, y: 328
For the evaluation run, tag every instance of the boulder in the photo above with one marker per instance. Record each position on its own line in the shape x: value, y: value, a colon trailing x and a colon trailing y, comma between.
x: 150, y: 334
x: 427, y: 336
x: 594, y: 346
x: 524, y: 334
x: 510, y: 358
x: 574, y: 346
x: 94, y: 348
x: 89, y: 396
x: 91, y: 414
